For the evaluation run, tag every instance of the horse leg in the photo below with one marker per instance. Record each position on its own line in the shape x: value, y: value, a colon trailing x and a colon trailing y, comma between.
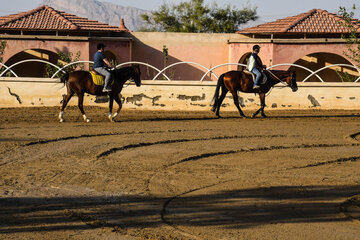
x: 262, y: 103
x: 67, y: 98
x: 224, y: 91
x: 118, y: 101
x: 111, y: 101
x: 81, y: 106
x: 236, y: 102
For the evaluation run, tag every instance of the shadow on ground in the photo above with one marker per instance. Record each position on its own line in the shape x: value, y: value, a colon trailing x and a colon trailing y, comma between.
x: 229, y: 209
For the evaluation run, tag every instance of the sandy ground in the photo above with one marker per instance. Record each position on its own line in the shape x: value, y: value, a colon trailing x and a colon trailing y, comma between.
x: 179, y: 175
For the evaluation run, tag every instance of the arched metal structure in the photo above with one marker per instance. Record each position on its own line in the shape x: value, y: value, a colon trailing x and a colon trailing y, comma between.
x: 312, y: 73
x: 221, y: 65
x: 7, y: 68
x: 174, y: 64
x: 296, y: 65
x: 334, y: 65
x: 68, y: 65
x: 146, y: 64
x: 28, y: 60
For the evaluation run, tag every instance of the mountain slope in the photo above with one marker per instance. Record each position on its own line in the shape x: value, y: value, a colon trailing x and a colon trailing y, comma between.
x: 101, y: 11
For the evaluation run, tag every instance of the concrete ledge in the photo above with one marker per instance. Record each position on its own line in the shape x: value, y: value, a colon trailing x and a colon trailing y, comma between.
x: 182, y: 95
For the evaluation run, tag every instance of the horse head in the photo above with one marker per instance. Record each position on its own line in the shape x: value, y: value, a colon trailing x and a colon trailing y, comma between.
x: 291, y: 81
x: 135, y: 74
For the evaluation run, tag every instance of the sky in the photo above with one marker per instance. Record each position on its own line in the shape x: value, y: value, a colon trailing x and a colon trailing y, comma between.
x: 268, y: 10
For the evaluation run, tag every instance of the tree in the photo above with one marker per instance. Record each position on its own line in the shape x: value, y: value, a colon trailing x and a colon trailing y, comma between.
x: 352, y: 39
x: 63, y: 59
x: 2, y: 50
x: 194, y: 16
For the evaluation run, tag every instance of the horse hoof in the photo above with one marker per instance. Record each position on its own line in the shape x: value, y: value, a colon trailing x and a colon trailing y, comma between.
x: 87, y: 120
x: 253, y: 116
x: 61, y: 120
x: 243, y: 116
x: 264, y: 116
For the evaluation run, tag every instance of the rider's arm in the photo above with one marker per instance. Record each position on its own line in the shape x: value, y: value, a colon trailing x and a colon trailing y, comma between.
x: 107, y: 62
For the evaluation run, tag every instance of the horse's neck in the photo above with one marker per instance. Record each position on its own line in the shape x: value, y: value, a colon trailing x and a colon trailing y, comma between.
x: 123, y: 76
x: 276, y: 78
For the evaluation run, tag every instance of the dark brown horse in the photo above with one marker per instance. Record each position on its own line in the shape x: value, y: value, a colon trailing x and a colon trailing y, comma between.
x: 235, y: 81
x: 80, y: 82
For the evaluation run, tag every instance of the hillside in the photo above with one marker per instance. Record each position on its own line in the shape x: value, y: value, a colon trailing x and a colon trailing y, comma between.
x: 101, y: 11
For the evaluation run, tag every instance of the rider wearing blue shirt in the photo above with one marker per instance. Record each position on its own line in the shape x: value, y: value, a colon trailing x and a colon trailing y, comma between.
x: 255, y: 65
x: 99, y: 66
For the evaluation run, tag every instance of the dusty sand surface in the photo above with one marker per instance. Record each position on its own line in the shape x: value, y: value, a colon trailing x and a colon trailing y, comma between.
x: 179, y: 175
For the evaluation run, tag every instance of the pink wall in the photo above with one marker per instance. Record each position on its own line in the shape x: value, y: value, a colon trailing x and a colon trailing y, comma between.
x: 208, y: 50
x: 15, y: 46
x: 290, y: 53
x: 121, y: 49
x: 87, y: 49
x: 273, y: 53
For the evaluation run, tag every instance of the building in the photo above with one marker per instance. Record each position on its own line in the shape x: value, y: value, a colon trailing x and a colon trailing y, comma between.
x: 312, y: 39
x: 43, y: 32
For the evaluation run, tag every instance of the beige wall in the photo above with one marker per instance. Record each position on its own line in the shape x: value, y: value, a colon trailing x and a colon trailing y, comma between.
x: 186, y: 96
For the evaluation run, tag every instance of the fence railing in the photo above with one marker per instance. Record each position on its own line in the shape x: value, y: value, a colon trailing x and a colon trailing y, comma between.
x: 162, y: 71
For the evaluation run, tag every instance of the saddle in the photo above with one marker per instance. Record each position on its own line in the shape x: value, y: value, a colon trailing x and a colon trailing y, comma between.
x: 98, y: 79
x: 262, y: 80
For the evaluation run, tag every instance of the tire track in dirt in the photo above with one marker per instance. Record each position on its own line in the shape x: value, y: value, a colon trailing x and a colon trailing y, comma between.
x: 105, y: 134
x: 207, y: 155
x: 278, y: 147
x: 145, y: 144
x: 247, y: 150
x: 355, y: 138
x: 350, y: 208
x: 337, y: 161
x: 169, y: 200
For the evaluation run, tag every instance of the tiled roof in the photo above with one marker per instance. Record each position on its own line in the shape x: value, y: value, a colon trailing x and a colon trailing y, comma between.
x: 313, y: 21
x: 47, y: 18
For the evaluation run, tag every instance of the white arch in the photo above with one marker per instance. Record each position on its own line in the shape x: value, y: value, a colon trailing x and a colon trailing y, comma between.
x: 334, y: 65
x: 174, y: 64
x: 146, y: 64
x: 296, y: 65
x: 221, y: 65
x: 67, y: 65
x: 7, y: 68
x: 28, y: 60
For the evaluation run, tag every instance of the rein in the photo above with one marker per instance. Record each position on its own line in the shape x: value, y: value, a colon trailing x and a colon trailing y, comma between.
x: 284, y: 83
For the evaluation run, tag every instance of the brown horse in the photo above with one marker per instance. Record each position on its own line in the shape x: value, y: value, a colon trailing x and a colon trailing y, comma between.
x: 235, y: 81
x: 80, y: 82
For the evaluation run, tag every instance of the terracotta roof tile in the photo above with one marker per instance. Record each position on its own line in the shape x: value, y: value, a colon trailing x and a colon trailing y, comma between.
x: 47, y: 18
x: 313, y: 21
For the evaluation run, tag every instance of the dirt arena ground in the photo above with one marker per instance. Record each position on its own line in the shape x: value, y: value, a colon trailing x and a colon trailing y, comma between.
x: 179, y: 175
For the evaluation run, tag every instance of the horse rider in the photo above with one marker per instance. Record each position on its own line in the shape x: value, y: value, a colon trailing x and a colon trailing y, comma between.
x: 99, y: 66
x: 255, y: 65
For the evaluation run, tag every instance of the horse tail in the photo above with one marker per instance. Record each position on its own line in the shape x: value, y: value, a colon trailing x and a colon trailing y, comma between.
x: 217, y: 91
x: 64, y: 78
